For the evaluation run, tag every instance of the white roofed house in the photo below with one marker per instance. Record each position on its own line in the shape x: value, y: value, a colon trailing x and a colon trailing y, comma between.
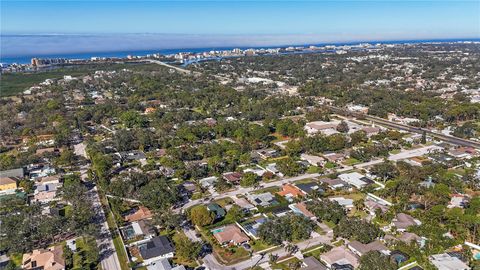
x: 445, y: 261
x: 263, y: 199
x: 345, y: 203
x: 326, y: 128
x: 355, y: 179
x: 313, y: 160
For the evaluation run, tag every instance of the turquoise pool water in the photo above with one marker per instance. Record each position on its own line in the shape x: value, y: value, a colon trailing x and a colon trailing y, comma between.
x: 217, y: 230
x: 477, y: 256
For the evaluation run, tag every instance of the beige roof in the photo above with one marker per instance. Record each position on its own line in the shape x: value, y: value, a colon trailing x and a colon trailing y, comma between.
x: 49, y: 259
x: 364, y: 248
x: 303, y: 208
x: 141, y: 213
x: 231, y: 233
x: 403, y: 221
x: 408, y: 237
x: 340, y: 255
x: 7, y: 180
x: 44, y: 196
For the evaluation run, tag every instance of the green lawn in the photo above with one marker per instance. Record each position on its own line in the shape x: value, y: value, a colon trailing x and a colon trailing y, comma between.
x: 226, y: 255
x: 272, y: 190
x: 259, y: 245
x: 351, y: 161
x: 286, y: 265
x: 16, y: 258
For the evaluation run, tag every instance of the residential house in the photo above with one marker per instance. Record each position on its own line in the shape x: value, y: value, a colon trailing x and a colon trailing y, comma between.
x: 340, y: 256
x: 163, y: 264
x: 8, y: 184
x: 326, y: 128
x: 373, y: 206
x: 267, y: 153
x: 446, y: 262
x: 301, y: 209
x: 408, y: 237
x: 336, y: 158
x: 230, y: 235
x: 458, y: 200
x: 46, y: 192
x: 463, y: 152
x: 156, y: 248
x: 334, y: 184
x: 138, y: 213
x: 313, y: 160
x: 233, y: 177
x: 244, y: 204
x: 361, y: 249
x: 309, y: 188
x: 134, y: 155
x: 217, y: 210
x: 374, y: 203
x: 251, y: 226
x: 370, y: 131
x: 138, y: 229
x: 290, y: 191
x: 46, y: 259
x: 263, y: 199
x: 15, y: 173
x: 345, y: 203
x: 311, y: 263
x: 355, y: 179
x: 259, y: 171
x: 208, y: 182
x: 402, y: 221
x: 272, y: 167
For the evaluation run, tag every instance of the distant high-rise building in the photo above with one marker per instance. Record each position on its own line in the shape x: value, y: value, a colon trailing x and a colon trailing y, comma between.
x: 35, y: 62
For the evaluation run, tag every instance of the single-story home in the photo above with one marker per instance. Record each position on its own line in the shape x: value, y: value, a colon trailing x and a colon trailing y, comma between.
x: 361, y: 249
x: 230, y: 235
x: 355, y: 179
x: 341, y: 256
x: 402, y: 221
x: 137, y: 214
x: 446, y: 262
x: 156, y: 248
x: 263, y: 199
x: 301, y: 208
x: 46, y: 259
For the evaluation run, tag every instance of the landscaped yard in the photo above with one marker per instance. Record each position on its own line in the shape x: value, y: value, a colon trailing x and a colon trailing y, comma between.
x: 259, y: 245
x: 272, y: 190
x: 226, y: 255
x: 351, y: 161
x: 286, y: 265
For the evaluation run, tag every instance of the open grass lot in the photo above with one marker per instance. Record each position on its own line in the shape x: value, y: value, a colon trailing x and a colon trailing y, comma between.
x: 272, y: 190
x: 286, y: 265
x: 14, y: 83
x: 351, y: 161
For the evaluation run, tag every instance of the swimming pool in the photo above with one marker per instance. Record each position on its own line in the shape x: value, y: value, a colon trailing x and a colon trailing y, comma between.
x: 217, y: 230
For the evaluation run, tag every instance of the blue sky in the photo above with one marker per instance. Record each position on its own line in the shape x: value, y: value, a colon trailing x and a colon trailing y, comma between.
x: 258, y: 21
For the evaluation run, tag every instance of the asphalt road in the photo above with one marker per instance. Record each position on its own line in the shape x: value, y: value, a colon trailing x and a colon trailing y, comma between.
x: 108, y: 255
x: 390, y: 124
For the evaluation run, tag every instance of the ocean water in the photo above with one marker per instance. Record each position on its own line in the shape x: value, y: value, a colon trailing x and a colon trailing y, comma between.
x: 25, y: 59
